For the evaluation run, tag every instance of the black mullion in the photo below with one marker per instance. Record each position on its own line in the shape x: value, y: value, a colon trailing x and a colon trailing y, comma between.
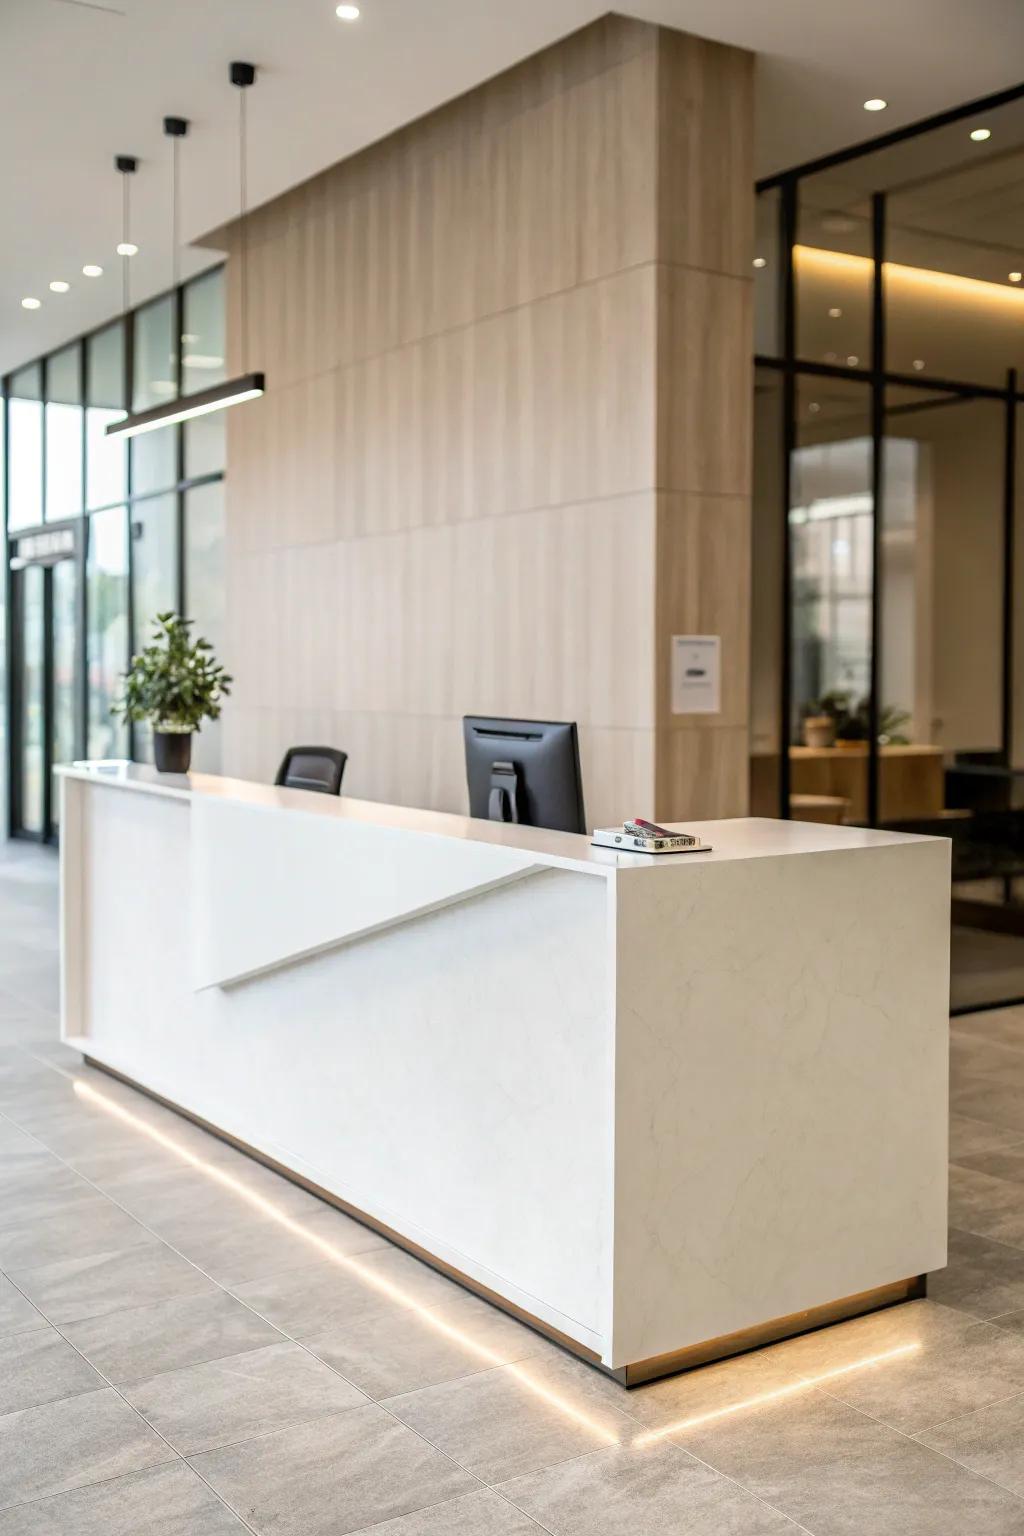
x: 8, y: 585
x: 179, y: 498
x: 129, y: 384
x: 787, y: 240
x: 47, y: 816
x: 877, y: 494
x: 1009, y: 560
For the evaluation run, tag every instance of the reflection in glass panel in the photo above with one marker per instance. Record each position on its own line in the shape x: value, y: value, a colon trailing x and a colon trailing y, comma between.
x: 106, y: 460
x: 205, y: 444
x: 951, y: 310
x: 942, y: 574
x: 154, y: 380
x: 64, y: 434
x: 65, y: 692
x: 768, y: 540
x: 203, y: 341
x: 834, y: 269
x: 767, y: 277
x: 107, y: 634
x: 25, y: 448
x: 31, y: 696
x: 204, y: 590
x: 155, y: 460
x: 831, y: 531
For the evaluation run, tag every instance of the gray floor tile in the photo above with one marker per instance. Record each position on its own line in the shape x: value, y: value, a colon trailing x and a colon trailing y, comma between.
x: 168, y: 1335
x: 41, y: 1367
x: 168, y: 1500
x: 70, y: 1289
x: 96, y: 1226
x: 982, y: 1277
x: 520, y: 1418
x: 474, y: 1514
x: 717, y: 1388
x: 319, y: 1297
x: 998, y: 1162
x: 332, y: 1476
x: 404, y: 1349
x: 990, y: 1441
x: 240, y: 1396
x: 953, y: 1363
x: 988, y: 1099
x: 65, y: 1445
x: 840, y: 1473
x: 17, y: 1314
x: 991, y: 1207
x: 658, y: 1490
x: 244, y: 1247
x: 42, y: 1197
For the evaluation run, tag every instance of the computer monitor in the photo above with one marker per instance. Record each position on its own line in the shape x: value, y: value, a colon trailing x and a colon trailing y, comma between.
x: 526, y: 771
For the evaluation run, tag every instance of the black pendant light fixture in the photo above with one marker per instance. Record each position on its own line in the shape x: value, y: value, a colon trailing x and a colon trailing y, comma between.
x: 248, y: 385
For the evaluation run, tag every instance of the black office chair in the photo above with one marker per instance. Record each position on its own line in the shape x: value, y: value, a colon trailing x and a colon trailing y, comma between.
x: 316, y: 768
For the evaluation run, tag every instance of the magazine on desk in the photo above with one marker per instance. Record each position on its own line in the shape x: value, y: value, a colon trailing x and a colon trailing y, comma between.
x: 640, y: 836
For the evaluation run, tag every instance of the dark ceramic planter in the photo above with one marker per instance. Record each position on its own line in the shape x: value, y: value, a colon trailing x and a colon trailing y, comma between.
x: 172, y: 751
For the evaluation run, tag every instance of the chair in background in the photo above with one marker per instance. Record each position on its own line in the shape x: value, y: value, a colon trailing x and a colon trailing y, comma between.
x: 316, y: 768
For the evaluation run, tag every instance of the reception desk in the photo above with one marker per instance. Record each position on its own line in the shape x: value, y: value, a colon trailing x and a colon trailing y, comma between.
x: 665, y: 1109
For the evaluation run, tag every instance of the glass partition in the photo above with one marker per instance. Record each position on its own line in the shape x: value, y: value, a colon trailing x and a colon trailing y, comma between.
x: 64, y: 434
x: 106, y: 597
x: 834, y: 270
x: 25, y: 448
x: 106, y: 458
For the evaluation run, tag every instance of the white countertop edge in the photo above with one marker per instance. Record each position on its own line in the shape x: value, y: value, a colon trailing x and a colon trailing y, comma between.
x: 739, y: 838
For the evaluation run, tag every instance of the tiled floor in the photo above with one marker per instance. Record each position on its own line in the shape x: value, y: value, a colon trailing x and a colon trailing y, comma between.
x: 191, y: 1346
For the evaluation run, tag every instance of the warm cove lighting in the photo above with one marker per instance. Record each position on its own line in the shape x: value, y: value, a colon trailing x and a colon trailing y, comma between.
x: 327, y: 1250
x: 248, y: 387
x: 805, y: 1384
x: 912, y: 277
x: 372, y: 1278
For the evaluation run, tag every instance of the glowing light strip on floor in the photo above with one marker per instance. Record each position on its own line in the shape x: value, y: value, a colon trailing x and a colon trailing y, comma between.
x: 777, y: 1395
x: 345, y: 1261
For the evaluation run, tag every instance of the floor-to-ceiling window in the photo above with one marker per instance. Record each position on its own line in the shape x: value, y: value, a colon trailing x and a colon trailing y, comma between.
x: 103, y: 534
x: 888, y: 663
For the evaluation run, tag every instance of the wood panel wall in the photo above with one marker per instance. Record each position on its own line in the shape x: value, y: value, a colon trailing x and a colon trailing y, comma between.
x: 508, y: 365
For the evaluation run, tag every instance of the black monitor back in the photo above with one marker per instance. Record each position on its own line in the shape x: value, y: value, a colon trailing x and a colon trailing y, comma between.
x: 526, y: 771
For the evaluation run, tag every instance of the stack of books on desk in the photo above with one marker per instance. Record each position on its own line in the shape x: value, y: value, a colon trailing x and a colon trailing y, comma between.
x: 639, y: 836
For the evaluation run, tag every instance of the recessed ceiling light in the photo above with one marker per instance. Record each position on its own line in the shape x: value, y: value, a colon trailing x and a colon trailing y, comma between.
x: 760, y: 261
x: 834, y: 313
x: 59, y: 287
x: 1015, y: 277
x: 126, y: 248
x: 814, y: 407
x: 852, y: 360
x: 831, y: 357
x: 30, y: 303
x: 347, y: 12
x: 979, y: 135
x: 875, y: 104
x: 92, y: 270
x: 918, y: 364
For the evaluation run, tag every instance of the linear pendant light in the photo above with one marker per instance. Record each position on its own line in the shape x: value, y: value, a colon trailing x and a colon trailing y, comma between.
x: 249, y: 385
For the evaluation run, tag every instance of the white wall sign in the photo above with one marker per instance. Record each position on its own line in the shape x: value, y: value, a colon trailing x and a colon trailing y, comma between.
x: 696, y: 674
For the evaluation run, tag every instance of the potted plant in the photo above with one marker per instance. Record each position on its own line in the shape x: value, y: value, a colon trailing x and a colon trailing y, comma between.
x: 177, y: 684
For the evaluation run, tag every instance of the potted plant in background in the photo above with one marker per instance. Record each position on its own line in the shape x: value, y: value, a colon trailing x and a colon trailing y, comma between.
x: 176, y: 683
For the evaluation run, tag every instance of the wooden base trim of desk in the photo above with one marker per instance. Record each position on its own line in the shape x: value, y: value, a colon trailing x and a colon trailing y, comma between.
x: 631, y: 1375
x: 772, y: 1332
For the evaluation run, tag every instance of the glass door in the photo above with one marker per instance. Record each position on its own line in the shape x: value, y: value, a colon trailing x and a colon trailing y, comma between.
x: 45, y: 682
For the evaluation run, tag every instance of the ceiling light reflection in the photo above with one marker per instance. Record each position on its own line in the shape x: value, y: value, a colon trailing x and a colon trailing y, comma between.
x: 777, y: 1395
x: 327, y: 1250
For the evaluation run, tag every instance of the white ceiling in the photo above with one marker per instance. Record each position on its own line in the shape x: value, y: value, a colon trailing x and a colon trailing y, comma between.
x: 80, y: 82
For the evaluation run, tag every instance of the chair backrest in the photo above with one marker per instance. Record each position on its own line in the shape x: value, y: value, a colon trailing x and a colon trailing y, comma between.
x: 316, y: 768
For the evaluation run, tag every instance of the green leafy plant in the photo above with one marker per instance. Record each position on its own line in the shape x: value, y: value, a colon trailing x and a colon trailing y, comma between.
x: 175, y: 682
x: 853, y: 721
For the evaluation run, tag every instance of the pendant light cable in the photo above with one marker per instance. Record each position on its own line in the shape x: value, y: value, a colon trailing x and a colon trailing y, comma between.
x: 176, y: 128
x: 127, y: 166
x: 243, y: 76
